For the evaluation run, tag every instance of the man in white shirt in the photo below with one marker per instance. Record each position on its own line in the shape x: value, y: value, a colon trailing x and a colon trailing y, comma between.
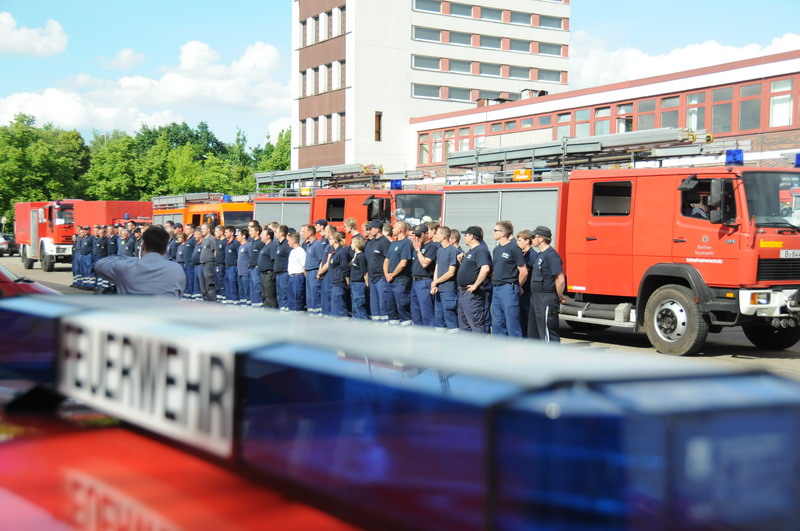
x: 297, y: 279
x: 152, y: 274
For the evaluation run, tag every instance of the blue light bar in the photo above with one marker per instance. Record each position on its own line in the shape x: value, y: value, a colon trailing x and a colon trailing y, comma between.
x: 464, y: 431
x: 734, y: 157
x: 797, y: 160
x: 396, y: 184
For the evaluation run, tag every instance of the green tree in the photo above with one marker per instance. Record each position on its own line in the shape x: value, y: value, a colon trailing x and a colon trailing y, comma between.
x: 279, y: 156
x: 112, y: 173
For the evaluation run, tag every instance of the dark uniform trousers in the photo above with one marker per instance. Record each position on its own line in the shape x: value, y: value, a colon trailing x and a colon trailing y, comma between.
x: 471, y: 310
x: 268, y: 294
x: 543, y: 318
x: 208, y: 283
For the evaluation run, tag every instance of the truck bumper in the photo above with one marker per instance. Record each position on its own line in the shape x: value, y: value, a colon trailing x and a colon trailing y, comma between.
x: 769, y: 303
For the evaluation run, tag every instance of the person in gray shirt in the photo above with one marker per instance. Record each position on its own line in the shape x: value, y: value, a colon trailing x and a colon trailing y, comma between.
x: 153, y: 274
x: 208, y: 276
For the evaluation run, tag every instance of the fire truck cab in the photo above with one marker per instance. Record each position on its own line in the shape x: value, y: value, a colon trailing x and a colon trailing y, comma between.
x: 199, y: 208
x: 44, y: 231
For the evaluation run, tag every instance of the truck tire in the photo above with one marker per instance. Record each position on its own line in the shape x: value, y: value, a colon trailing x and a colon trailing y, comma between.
x: 673, y: 321
x: 768, y: 337
x: 48, y: 261
x: 27, y: 263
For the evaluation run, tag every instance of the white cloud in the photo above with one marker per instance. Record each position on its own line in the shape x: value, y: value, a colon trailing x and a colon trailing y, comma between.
x: 592, y: 64
x: 125, y: 59
x: 276, y: 126
x: 197, y: 87
x: 36, y: 42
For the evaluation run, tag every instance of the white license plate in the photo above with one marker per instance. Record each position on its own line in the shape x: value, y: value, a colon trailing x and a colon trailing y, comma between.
x: 790, y: 253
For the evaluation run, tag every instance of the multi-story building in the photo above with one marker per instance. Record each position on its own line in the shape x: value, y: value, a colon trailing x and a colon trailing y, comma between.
x: 363, y: 68
x: 752, y: 103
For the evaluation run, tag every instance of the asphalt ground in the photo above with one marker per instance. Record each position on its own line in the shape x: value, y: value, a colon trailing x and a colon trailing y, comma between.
x: 729, y: 347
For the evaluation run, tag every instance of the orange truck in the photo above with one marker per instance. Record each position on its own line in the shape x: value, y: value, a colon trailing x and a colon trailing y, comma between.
x: 637, y: 254
x: 44, y: 229
x: 199, y: 208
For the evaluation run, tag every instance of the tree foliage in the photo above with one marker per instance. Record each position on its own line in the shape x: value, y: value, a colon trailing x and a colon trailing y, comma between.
x: 46, y: 163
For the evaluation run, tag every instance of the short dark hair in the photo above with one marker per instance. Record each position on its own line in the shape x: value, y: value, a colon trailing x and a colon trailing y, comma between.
x: 155, y: 240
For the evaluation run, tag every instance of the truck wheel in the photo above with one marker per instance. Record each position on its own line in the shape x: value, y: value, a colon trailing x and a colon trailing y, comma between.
x: 48, y: 261
x: 768, y: 337
x: 673, y: 321
x: 586, y: 327
x: 27, y: 263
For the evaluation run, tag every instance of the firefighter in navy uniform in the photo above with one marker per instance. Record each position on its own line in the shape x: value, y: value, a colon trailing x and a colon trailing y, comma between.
x: 547, y: 289
x: 231, y: 274
x: 99, y: 250
x: 219, y: 261
x: 86, y: 249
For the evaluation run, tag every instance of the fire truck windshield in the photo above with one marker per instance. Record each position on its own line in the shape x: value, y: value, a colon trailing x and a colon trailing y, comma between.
x: 65, y: 215
x: 418, y: 206
x: 238, y: 220
x: 773, y: 197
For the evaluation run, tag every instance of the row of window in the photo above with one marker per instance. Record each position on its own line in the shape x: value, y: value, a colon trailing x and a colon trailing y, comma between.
x: 744, y: 108
x: 323, y: 26
x: 484, y: 69
x: 490, y: 42
x: 323, y: 78
x: 490, y: 14
x: 322, y: 129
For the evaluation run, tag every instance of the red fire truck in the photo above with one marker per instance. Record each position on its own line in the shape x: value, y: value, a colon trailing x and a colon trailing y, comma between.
x: 335, y: 193
x: 636, y: 251
x: 44, y: 229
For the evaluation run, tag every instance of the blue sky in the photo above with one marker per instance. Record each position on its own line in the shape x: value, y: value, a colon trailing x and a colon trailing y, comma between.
x: 92, y: 65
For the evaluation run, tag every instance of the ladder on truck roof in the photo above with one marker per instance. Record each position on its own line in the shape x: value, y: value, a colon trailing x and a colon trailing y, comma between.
x: 305, y: 181
x: 559, y: 156
x: 180, y: 201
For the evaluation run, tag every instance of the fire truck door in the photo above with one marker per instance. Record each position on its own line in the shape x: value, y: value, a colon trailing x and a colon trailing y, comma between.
x: 609, y: 239
x: 713, y: 249
x: 34, y: 248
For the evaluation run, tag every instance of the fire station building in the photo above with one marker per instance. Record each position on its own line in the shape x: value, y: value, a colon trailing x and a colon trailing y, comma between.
x: 750, y: 104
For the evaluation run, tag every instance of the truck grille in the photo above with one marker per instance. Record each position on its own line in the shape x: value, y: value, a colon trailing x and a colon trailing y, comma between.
x: 778, y: 269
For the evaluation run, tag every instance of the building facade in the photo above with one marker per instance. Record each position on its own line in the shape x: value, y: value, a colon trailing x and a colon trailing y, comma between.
x: 363, y: 68
x: 752, y: 102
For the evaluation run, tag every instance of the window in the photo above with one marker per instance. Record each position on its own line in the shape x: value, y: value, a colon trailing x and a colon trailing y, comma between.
x: 334, y: 210
x: 497, y: 128
x: 463, y: 139
x: 669, y: 119
x: 488, y: 13
x: 781, y: 106
x: 519, y: 72
x: 749, y: 114
x: 669, y: 103
x: 697, y: 97
x: 378, y: 125
x: 625, y: 108
x: 602, y: 127
x: 550, y: 75
x: 582, y: 115
x: 463, y: 67
x: 722, y: 94
x: 721, y: 118
x: 460, y: 10
x: 460, y: 94
x: 479, y: 130
x: 425, y: 91
x: 646, y: 106
x: 491, y: 42
x: 625, y: 125
x: 547, y: 48
x: 602, y: 112
x: 456, y: 37
x: 750, y: 90
x: 518, y: 45
x: 562, y: 131
x: 526, y: 123
x: 646, y: 121
x: 489, y: 94
x: 696, y: 113
x: 450, y: 133
x: 583, y: 129
x: 520, y: 18
x: 428, y: 63
x: 511, y: 125
x: 549, y: 22
x: 611, y: 199
x: 434, y: 6
x: 427, y: 34
x: 564, y: 118
x: 489, y: 69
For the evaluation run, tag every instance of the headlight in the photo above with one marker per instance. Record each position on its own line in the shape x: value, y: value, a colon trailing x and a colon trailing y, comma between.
x: 760, y: 298
x: 400, y: 214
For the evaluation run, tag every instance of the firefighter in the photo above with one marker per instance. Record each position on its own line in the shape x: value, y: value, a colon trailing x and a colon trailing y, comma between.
x: 509, y: 274
x: 423, y: 263
x: 397, y: 271
x: 87, y: 246
x: 219, y: 261
x: 99, y: 250
x: 231, y: 273
x: 547, y: 288
x: 472, y: 276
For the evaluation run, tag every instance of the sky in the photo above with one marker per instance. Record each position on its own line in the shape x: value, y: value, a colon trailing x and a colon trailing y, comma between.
x: 97, y: 66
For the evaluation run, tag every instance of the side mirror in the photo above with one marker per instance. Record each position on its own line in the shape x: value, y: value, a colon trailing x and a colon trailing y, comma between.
x: 715, y: 195
x: 715, y: 216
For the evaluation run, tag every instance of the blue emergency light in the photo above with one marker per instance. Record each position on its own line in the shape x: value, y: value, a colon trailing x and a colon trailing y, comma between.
x: 226, y: 198
x: 734, y: 157
x: 396, y: 184
x: 797, y: 160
